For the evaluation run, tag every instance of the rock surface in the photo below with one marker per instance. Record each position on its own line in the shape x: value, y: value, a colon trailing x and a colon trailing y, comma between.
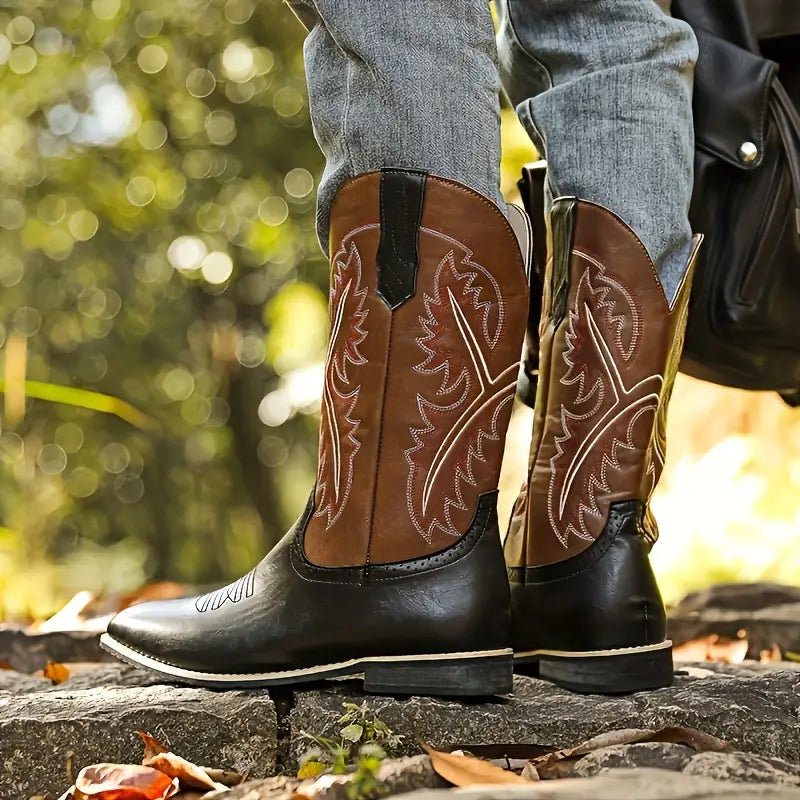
x: 768, y: 613
x: 399, y: 776
x: 44, y: 736
x: 89, y: 678
x: 28, y: 652
x: 660, y: 755
x: 744, y: 597
x: 93, y: 716
x: 756, y: 713
x: 622, y: 784
x: 744, y: 768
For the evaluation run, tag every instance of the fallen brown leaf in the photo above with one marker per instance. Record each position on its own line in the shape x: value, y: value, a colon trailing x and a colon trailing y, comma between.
x: 697, y: 740
x: 463, y: 770
x: 122, y: 782
x: 55, y: 673
x: 152, y: 747
x: 713, y: 648
x: 70, y: 617
x: 187, y: 773
x: 530, y: 772
x: 224, y: 776
x: 559, y: 763
x: 772, y: 655
x: 6, y: 665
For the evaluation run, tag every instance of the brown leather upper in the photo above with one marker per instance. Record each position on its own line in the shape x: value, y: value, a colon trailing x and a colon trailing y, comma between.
x: 416, y: 401
x: 608, y: 360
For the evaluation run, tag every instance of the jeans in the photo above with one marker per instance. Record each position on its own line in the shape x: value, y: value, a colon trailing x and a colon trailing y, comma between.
x: 603, y: 88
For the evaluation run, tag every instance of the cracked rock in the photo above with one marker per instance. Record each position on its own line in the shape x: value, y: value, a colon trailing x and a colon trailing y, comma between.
x: 44, y: 735
x: 755, y: 712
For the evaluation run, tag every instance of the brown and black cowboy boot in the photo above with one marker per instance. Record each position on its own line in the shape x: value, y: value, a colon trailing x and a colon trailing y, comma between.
x: 395, y: 569
x: 586, y: 610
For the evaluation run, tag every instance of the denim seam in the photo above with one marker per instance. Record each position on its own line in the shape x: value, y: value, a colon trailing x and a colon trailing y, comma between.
x: 345, y: 139
x: 513, y: 29
x: 540, y: 64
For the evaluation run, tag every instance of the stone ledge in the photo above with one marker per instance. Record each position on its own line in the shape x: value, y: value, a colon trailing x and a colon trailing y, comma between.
x: 94, y: 715
x: 40, y: 733
x: 757, y: 714
x: 620, y: 784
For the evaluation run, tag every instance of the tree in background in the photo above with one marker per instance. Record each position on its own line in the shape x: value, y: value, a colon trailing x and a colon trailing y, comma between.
x: 157, y: 245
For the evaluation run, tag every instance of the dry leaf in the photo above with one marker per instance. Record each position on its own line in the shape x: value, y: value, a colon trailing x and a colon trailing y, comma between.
x: 6, y: 665
x: 469, y: 771
x: 152, y: 747
x: 224, y: 776
x: 55, y: 673
x: 559, y: 763
x: 612, y: 738
x: 697, y: 740
x: 514, y: 764
x: 187, y: 773
x: 713, y: 648
x: 124, y: 782
x: 772, y: 655
x: 70, y: 617
x: 530, y: 772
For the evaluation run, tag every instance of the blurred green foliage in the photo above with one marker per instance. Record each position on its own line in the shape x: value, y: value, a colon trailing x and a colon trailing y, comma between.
x: 156, y: 245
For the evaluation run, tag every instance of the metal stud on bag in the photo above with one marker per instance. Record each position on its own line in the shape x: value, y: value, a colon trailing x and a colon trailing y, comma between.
x: 748, y: 152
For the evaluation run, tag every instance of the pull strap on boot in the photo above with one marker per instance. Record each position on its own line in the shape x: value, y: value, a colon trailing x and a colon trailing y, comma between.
x: 586, y: 609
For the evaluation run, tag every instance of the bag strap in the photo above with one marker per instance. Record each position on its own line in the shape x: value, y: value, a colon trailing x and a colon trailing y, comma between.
x: 787, y: 121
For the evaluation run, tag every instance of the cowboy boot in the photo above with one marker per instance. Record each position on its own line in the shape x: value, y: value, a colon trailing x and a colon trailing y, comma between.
x: 586, y: 610
x: 394, y: 571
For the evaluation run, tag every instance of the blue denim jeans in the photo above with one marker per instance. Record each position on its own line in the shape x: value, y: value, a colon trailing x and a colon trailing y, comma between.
x: 603, y: 88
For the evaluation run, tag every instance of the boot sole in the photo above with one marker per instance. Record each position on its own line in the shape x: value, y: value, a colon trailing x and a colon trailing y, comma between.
x: 622, y: 671
x: 479, y: 673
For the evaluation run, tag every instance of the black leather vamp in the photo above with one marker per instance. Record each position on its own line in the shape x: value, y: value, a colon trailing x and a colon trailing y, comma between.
x: 291, y: 615
x: 601, y: 599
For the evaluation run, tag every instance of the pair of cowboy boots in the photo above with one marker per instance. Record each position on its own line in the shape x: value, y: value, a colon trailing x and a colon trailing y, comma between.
x: 395, y: 570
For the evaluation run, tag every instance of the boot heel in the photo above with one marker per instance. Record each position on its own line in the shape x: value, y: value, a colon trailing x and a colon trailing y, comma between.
x: 632, y: 670
x: 461, y: 677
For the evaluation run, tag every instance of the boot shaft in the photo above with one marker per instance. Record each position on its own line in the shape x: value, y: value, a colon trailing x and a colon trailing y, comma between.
x: 610, y: 345
x: 428, y: 302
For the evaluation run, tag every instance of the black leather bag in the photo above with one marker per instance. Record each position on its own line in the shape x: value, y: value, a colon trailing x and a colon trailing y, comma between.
x: 744, y: 319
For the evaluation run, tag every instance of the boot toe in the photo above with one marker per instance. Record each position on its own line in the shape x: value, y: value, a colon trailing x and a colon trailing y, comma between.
x: 157, y: 630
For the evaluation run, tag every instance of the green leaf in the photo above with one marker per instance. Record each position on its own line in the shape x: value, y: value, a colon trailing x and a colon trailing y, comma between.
x: 83, y: 398
x: 372, y: 750
x: 311, y: 769
x: 353, y: 732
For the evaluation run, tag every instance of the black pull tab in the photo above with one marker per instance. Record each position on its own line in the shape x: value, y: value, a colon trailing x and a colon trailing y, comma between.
x: 402, y: 192
x: 562, y: 226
